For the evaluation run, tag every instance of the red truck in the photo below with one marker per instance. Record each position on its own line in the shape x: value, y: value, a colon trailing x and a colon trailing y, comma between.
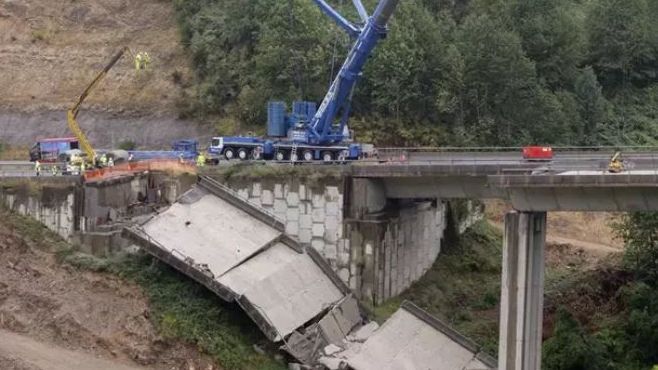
x: 538, y: 153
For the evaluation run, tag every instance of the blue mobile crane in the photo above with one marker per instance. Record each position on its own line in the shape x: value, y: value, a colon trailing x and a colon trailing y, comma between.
x: 310, y: 133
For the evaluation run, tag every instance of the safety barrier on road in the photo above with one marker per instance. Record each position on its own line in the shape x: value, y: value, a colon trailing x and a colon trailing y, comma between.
x: 131, y: 168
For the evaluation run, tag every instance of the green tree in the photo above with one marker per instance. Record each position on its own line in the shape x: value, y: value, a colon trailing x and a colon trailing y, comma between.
x: 552, y: 37
x: 505, y: 103
x: 639, y: 231
x: 592, y: 107
x: 622, y: 41
x: 410, y: 58
x: 291, y: 57
x: 570, y: 348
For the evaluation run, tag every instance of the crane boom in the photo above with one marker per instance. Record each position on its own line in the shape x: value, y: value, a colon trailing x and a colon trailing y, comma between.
x: 338, y: 97
x: 72, y: 113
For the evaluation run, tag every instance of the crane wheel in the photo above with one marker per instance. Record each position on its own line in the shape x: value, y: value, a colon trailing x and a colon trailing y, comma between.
x: 307, y: 155
x: 280, y: 155
x: 327, y: 156
x: 243, y: 154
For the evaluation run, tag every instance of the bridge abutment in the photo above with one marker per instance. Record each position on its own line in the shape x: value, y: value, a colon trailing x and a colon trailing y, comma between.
x: 522, y: 291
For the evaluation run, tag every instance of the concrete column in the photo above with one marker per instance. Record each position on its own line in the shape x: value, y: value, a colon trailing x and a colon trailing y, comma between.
x: 522, y: 291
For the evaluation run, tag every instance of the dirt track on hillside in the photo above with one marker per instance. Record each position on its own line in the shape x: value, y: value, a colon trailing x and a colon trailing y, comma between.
x: 18, y: 352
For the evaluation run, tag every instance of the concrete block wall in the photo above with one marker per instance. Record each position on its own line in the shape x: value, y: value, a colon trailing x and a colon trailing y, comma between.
x: 412, y: 242
x: 377, y: 258
x: 393, y: 249
x: 313, y: 214
x: 55, y: 208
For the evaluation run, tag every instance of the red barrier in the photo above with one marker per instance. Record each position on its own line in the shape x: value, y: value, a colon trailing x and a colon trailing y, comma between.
x: 131, y: 168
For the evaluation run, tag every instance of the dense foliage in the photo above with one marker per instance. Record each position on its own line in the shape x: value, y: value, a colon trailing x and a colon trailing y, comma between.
x: 627, y: 340
x: 467, y: 72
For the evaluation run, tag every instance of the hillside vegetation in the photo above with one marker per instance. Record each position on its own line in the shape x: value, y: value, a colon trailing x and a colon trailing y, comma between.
x: 465, y: 72
x: 601, y: 316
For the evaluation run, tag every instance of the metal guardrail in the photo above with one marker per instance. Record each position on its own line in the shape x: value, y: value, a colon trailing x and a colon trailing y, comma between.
x: 496, y: 159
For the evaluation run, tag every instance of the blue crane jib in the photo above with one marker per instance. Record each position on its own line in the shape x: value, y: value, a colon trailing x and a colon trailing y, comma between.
x: 310, y: 132
x: 337, y: 100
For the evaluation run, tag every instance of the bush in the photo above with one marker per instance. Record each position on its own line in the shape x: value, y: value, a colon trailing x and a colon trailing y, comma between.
x: 127, y: 145
x: 570, y: 348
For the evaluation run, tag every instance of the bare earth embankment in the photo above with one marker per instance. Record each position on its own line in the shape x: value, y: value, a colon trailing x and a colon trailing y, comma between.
x: 50, y: 51
x: 50, y: 309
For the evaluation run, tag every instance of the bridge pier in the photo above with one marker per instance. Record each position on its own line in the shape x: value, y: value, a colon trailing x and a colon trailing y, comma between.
x: 522, y: 291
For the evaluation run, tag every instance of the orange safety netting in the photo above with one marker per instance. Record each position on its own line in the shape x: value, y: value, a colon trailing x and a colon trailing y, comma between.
x: 131, y: 168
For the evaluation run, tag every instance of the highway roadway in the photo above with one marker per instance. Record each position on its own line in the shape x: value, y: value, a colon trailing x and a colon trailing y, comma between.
x: 488, y: 161
x: 562, y: 161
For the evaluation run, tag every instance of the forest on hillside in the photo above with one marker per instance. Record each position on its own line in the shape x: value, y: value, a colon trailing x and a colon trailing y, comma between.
x: 451, y: 72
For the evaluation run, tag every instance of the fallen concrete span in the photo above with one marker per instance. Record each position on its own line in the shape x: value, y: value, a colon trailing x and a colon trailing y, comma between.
x: 284, y: 288
x: 242, y: 253
x: 410, y: 339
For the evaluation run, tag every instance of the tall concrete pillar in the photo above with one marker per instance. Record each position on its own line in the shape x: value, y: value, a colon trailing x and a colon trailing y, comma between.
x: 522, y: 291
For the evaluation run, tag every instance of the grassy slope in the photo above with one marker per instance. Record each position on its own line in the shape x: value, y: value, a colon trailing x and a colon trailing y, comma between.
x: 179, y: 307
x: 463, y: 288
x: 184, y: 309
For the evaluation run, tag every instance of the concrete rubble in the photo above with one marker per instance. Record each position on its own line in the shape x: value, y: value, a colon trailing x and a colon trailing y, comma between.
x: 410, y: 339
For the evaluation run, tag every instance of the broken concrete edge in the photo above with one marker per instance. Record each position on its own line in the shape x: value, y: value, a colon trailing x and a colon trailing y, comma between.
x: 324, y: 266
x: 291, y: 243
x: 260, y: 319
x: 160, y: 253
x: 451, y: 333
x: 219, y: 190
x: 114, y: 180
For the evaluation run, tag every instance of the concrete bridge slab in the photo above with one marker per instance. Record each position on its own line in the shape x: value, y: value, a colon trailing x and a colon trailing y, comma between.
x: 241, y: 259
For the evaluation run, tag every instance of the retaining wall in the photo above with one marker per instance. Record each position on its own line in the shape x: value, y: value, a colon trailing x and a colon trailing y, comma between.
x: 53, y: 202
x: 376, y: 256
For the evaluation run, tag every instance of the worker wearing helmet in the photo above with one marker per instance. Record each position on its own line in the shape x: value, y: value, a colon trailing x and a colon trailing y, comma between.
x: 54, y: 169
x: 201, y: 160
x: 37, y: 167
x: 146, y: 60
x: 103, y: 160
x: 138, y: 61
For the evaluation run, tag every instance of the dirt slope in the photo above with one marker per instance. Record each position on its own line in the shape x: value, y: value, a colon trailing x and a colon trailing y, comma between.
x: 50, y: 50
x: 96, y: 314
x: 589, y: 230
